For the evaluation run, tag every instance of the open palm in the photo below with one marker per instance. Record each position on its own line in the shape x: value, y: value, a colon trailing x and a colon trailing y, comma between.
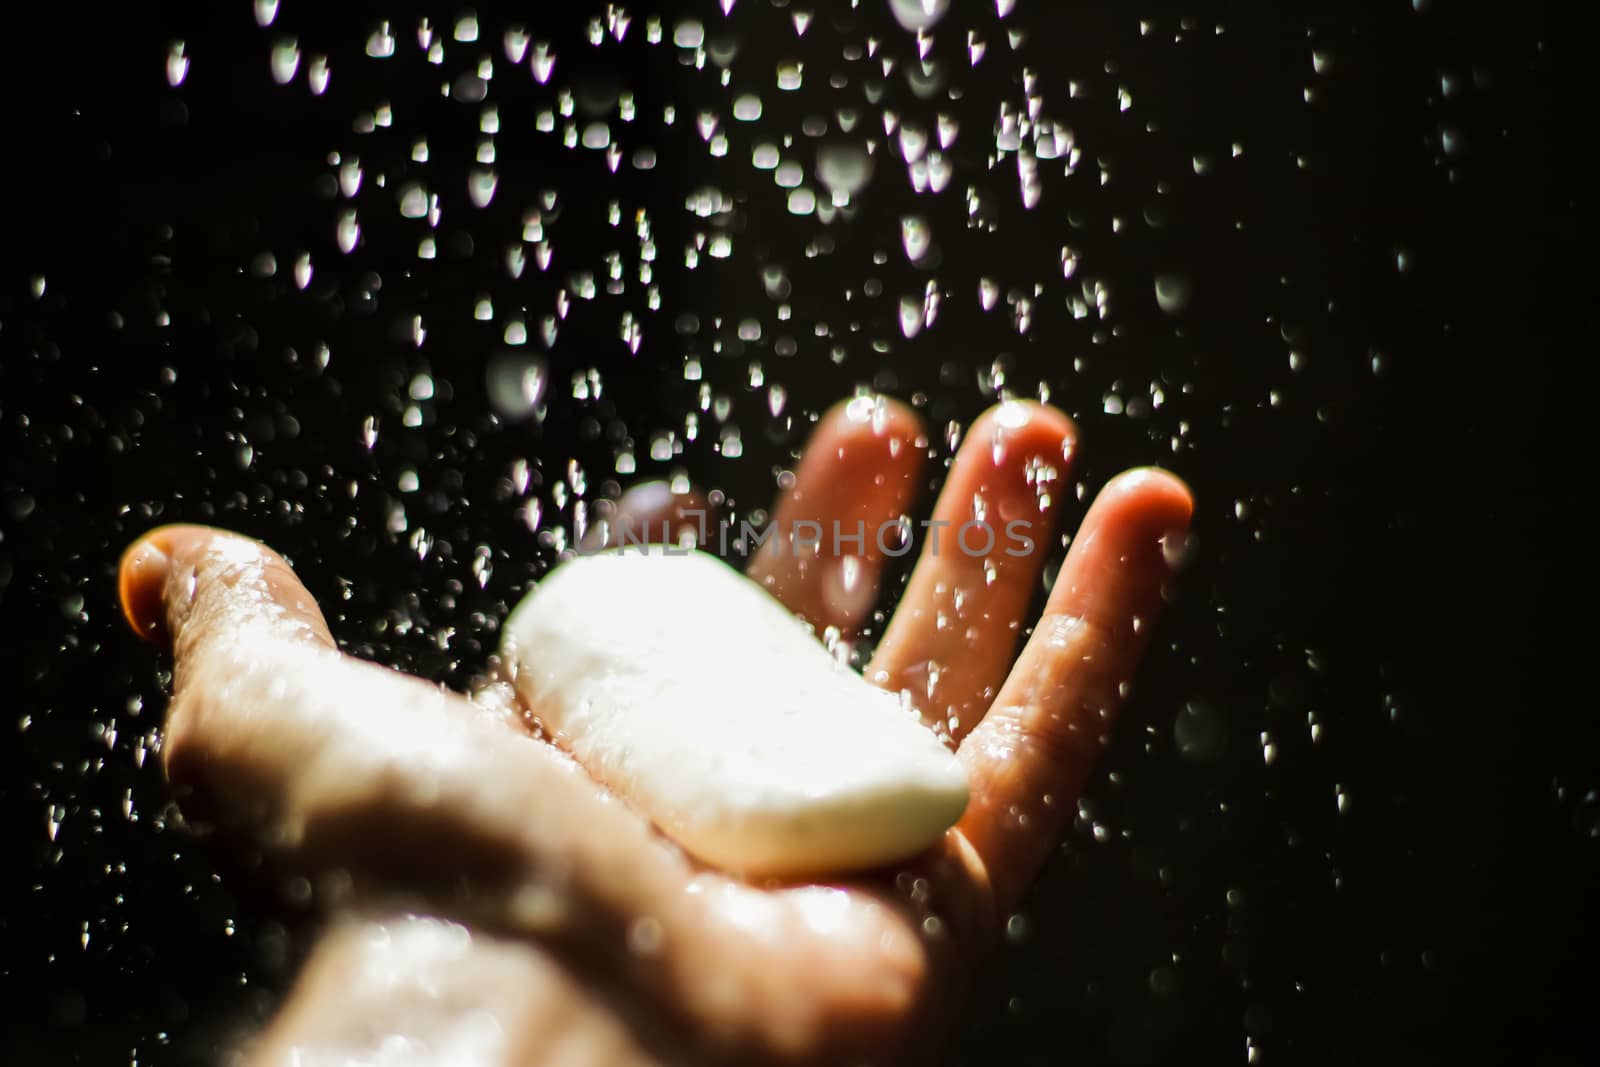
x: 498, y: 906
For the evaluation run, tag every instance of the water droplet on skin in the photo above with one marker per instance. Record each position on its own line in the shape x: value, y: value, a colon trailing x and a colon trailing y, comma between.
x: 537, y: 906
x: 846, y: 587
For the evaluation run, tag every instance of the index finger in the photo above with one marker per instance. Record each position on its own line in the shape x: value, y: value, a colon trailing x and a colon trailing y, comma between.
x: 857, y: 476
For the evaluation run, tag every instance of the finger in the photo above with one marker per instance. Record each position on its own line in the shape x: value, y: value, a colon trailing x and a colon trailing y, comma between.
x: 1028, y: 759
x: 651, y: 513
x: 327, y: 762
x: 954, y: 633
x: 160, y: 599
x: 857, y: 476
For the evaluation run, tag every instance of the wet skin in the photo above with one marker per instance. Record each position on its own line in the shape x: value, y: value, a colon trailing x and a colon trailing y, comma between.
x: 492, y: 904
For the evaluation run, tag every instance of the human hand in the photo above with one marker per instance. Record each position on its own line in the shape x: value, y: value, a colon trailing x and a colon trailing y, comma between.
x: 510, y: 910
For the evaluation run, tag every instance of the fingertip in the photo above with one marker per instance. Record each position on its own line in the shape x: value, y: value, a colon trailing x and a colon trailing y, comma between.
x: 1152, y: 499
x: 146, y: 564
x: 858, y: 471
x: 142, y: 575
x: 1034, y: 415
x: 1018, y: 455
x: 864, y: 454
x: 163, y: 574
x: 1028, y: 428
x: 863, y: 418
x: 1131, y: 541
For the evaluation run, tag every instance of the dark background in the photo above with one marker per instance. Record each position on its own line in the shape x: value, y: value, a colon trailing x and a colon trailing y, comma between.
x: 1376, y: 386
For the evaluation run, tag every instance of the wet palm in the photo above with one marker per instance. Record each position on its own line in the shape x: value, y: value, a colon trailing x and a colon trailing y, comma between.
x: 500, y: 907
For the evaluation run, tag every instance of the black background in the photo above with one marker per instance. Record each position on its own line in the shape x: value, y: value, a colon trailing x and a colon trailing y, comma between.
x: 1390, y: 545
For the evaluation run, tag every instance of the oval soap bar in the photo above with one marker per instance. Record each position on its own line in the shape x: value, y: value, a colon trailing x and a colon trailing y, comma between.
x: 687, y: 689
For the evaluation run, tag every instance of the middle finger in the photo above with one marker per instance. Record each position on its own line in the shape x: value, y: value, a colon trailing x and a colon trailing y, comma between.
x: 952, y: 638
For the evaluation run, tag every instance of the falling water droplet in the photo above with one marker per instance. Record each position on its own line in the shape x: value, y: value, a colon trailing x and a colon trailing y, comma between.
x: 177, y: 64
x: 918, y: 15
x: 380, y: 45
x: 911, y: 315
x: 1172, y: 293
x: 916, y: 237
x: 285, y: 60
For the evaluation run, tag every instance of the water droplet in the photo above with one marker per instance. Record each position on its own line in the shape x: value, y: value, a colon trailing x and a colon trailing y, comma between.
x: 747, y: 108
x: 688, y: 34
x: 1172, y: 293
x: 317, y: 74
x: 348, y: 231
x: 1200, y: 732
x: 285, y: 60
x: 481, y: 185
x: 177, y: 64
x: 918, y: 15
x: 910, y: 316
x: 380, y: 44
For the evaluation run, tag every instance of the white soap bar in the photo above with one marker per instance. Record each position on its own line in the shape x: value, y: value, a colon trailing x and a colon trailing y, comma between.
x: 686, y: 688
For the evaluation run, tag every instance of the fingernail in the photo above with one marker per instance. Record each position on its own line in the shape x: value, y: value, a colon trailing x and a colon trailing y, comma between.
x: 139, y: 584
